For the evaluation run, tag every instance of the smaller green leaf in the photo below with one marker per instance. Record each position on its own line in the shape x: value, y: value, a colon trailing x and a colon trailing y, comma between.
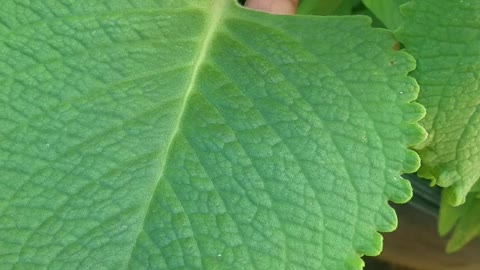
x: 387, y: 11
x: 443, y: 36
x: 464, y: 220
x: 326, y: 7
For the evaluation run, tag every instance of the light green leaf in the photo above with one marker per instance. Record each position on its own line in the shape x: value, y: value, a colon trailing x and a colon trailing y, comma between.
x: 388, y: 11
x: 444, y: 38
x: 198, y: 134
x: 464, y: 220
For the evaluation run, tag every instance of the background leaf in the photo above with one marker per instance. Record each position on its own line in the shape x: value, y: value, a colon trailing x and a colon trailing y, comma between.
x: 443, y: 36
x: 463, y: 220
x: 388, y: 11
x: 197, y: 134
x: 326, y: 7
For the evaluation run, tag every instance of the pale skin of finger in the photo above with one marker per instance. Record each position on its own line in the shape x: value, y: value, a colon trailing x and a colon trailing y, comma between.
x: 283, y: 7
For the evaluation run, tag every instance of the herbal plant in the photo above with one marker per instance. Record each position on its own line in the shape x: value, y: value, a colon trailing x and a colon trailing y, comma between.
x: 199, y: 134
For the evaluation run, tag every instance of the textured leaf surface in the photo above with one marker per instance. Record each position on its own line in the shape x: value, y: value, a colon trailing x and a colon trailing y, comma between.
x: 444, y: 38
x: 197, y: 134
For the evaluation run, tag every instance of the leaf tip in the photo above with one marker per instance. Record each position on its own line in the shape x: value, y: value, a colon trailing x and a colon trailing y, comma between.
x: 455, y: 195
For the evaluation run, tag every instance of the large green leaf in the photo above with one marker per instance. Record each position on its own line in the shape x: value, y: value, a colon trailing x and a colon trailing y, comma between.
x: 444, y: 38
x: 197, y: 134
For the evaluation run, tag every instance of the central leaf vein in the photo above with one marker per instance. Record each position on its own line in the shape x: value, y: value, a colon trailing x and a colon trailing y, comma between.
x: 213, y: 21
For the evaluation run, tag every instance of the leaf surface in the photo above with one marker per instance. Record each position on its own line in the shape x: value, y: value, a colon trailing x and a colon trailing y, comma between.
x: 443, y: 36
x: 198, y: 134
